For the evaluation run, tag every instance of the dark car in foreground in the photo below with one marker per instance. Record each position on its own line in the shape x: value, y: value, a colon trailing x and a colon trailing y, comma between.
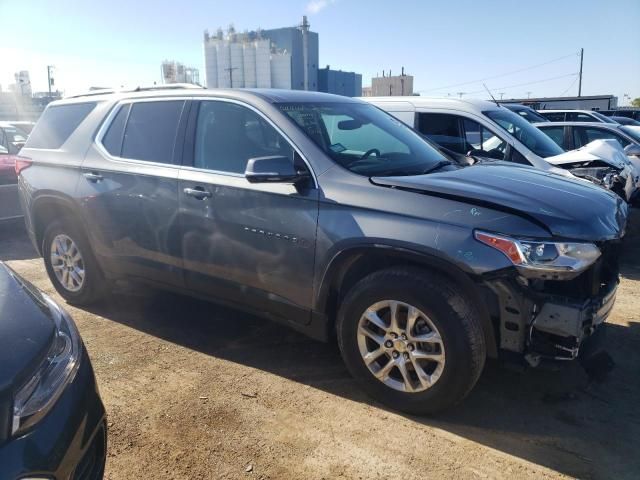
x: 52, y: 421
x: 330, y: 216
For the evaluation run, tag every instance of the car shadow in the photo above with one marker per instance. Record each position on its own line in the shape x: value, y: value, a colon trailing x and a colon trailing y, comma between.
x: 556, y: 417
x: 14, y: 241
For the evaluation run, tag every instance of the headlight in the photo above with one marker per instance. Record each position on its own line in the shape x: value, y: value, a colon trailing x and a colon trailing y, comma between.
x: 552, y: 257
x: 59, y: 368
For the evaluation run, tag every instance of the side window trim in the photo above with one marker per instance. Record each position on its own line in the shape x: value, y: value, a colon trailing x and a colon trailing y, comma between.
x: 104, y: 128
x: 190, y: 138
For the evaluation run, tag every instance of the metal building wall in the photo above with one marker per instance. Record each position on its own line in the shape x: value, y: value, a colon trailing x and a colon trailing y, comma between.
x: 281, y: 70
x: 249, y: 62
x: 224, y: 63
x: 263, y: 63
x: 237, y: 65
x: 210, y: 65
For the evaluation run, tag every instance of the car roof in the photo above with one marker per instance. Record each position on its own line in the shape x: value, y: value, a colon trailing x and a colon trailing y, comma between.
x: 6, y: 124
x: 267, y: 94
x: 611, y: 126
x: 469, y: 104
x: 549, y: 110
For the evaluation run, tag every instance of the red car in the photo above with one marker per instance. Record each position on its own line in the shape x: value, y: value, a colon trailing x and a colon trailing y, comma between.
x: 11, y: 141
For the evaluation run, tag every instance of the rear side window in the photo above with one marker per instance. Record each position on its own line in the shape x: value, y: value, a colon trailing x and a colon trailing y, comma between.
x: 112, y: 140
x: 57, y: 124
x: 151, y: 131
x: 553, y: 116
x: 445, y: 130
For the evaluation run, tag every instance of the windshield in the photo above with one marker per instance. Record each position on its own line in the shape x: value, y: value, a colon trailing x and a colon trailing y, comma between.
x: 632, y: 131
x: 364, y: 139
x: 602, y: 117
x: 530, y: 136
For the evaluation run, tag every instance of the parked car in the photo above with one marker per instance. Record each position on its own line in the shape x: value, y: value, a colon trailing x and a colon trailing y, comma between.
x: 623, y: 112
x: 11, y: 140
x: 330, y: 216
x: 52, y: 421
x: 23, y: 125
x: 626, y: 121
x: 528, y: 113
x: 489, y: 131
x: 575, y: 116
x: 572, y: 135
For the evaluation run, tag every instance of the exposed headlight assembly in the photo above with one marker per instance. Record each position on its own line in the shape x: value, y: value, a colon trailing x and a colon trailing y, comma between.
x: 37, y: 396
x: 543, y: 257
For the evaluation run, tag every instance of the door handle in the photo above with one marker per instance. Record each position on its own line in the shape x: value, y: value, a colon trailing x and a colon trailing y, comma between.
x: 197, y: 192
x: 92, y: 176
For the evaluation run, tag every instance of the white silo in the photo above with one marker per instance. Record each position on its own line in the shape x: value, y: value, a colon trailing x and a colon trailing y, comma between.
x: 224, y: 63
x: 249, y: 53
x: 237, y: 66
x: 281, y: 70
x: 263, y: 63
x: 211, y: 63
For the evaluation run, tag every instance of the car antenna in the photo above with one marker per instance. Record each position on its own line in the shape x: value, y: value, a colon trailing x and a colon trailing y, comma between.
x: 491, y: 95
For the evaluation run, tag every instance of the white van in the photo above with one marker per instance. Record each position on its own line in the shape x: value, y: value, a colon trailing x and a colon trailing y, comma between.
x: 488, y: 131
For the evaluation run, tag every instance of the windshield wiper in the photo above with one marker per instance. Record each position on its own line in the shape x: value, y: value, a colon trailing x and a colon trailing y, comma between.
x: 437, y: 166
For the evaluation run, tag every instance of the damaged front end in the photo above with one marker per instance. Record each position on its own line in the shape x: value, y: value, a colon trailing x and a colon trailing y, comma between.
x: 621, y: 181
x: 545, y: 314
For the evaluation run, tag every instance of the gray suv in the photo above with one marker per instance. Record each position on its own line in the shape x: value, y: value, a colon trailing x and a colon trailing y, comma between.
x: 331, y: 216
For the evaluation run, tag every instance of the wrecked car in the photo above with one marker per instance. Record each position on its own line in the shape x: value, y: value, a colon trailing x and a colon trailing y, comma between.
x: 330, y: 216
x: 487, y: 131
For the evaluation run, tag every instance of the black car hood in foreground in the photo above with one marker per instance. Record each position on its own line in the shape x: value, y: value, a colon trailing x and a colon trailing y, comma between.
x: 572, y: 209
x: 26, y: 331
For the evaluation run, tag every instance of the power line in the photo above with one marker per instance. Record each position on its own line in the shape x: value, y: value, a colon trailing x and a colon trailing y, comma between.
x: 569, y: 88
x: 527, y: 83
x: 500, y: 75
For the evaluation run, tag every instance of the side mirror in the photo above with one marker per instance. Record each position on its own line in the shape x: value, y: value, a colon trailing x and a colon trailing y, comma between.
x: 273, y: 169
x: 632, y: 150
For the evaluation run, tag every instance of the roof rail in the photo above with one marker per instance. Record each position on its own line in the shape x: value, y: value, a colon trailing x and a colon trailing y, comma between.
x: 100, y: 91
x: 170, y: 86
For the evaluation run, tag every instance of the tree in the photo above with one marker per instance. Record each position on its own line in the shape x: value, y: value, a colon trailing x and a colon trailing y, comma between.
x: 636, y: 102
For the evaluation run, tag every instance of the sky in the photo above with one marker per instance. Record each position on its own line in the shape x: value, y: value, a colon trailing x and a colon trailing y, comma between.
x: 517, y: 48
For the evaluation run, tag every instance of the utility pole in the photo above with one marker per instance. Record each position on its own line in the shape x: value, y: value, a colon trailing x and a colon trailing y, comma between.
x: 501, y: 95
x: 528, y: 94
x: 460, y: 94
x: 49, y: 68
x: 230, y: 70
x: 580, y: 77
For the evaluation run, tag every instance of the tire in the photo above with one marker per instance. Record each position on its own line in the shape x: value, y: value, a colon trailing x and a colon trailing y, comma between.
x: 444, y: 314
x: 93, y: 285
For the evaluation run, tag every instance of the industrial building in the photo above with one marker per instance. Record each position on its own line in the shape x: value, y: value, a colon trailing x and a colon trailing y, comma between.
x: 338, y: 82
x: 278, y: 58
x: 176, y: 72
x: 388, y: 85
x: 591, y: 102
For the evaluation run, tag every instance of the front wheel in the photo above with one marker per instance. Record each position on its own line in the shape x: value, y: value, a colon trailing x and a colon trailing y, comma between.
x: 411, y: 340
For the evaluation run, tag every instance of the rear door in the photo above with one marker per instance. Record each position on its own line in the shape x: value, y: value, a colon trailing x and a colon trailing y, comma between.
x: 129, y: 189
x: 557, y: 134
x: 249, y: 244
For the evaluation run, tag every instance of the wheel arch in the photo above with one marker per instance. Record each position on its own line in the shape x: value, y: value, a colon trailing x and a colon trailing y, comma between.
x: 47, y: 208
x: 349, y: 266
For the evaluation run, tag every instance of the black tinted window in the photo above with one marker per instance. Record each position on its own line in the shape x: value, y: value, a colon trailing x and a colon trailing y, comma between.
x: 584, y: 135
x: 579, y: 117
x: 57, y: 124
x: 445, y: 130
x: 151, y: 131
x: 553, y: 116
x: 112, y: 141
x: 227, y: 135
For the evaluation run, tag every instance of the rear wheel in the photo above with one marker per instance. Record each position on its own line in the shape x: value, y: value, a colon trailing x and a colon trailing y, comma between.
x: 411, y: 340
x: 70, y: 264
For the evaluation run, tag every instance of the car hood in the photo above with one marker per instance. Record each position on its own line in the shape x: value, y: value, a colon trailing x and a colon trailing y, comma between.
x: 604, y: 150
x: 570, y: 209
x: 27, y: 329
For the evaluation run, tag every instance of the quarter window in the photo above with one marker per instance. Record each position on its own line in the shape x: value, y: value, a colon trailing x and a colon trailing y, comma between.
x: 228, y: 135
x: 151, y: 131
x: 57, y: 124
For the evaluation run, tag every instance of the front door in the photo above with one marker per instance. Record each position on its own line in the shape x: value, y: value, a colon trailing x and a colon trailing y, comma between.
x: 249, y: 244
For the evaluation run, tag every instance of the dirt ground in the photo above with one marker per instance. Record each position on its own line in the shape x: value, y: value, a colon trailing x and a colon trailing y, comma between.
x: 196, y: 391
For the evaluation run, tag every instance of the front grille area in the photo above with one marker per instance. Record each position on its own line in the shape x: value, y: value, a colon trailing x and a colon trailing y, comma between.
x: 91, y: 466
x: 591, y: 283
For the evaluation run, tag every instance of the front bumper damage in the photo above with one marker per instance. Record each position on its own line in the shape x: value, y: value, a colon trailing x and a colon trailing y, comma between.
x: 552, y: 319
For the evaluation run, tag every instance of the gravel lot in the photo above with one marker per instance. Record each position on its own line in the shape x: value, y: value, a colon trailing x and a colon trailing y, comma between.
x: 193, y: 390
